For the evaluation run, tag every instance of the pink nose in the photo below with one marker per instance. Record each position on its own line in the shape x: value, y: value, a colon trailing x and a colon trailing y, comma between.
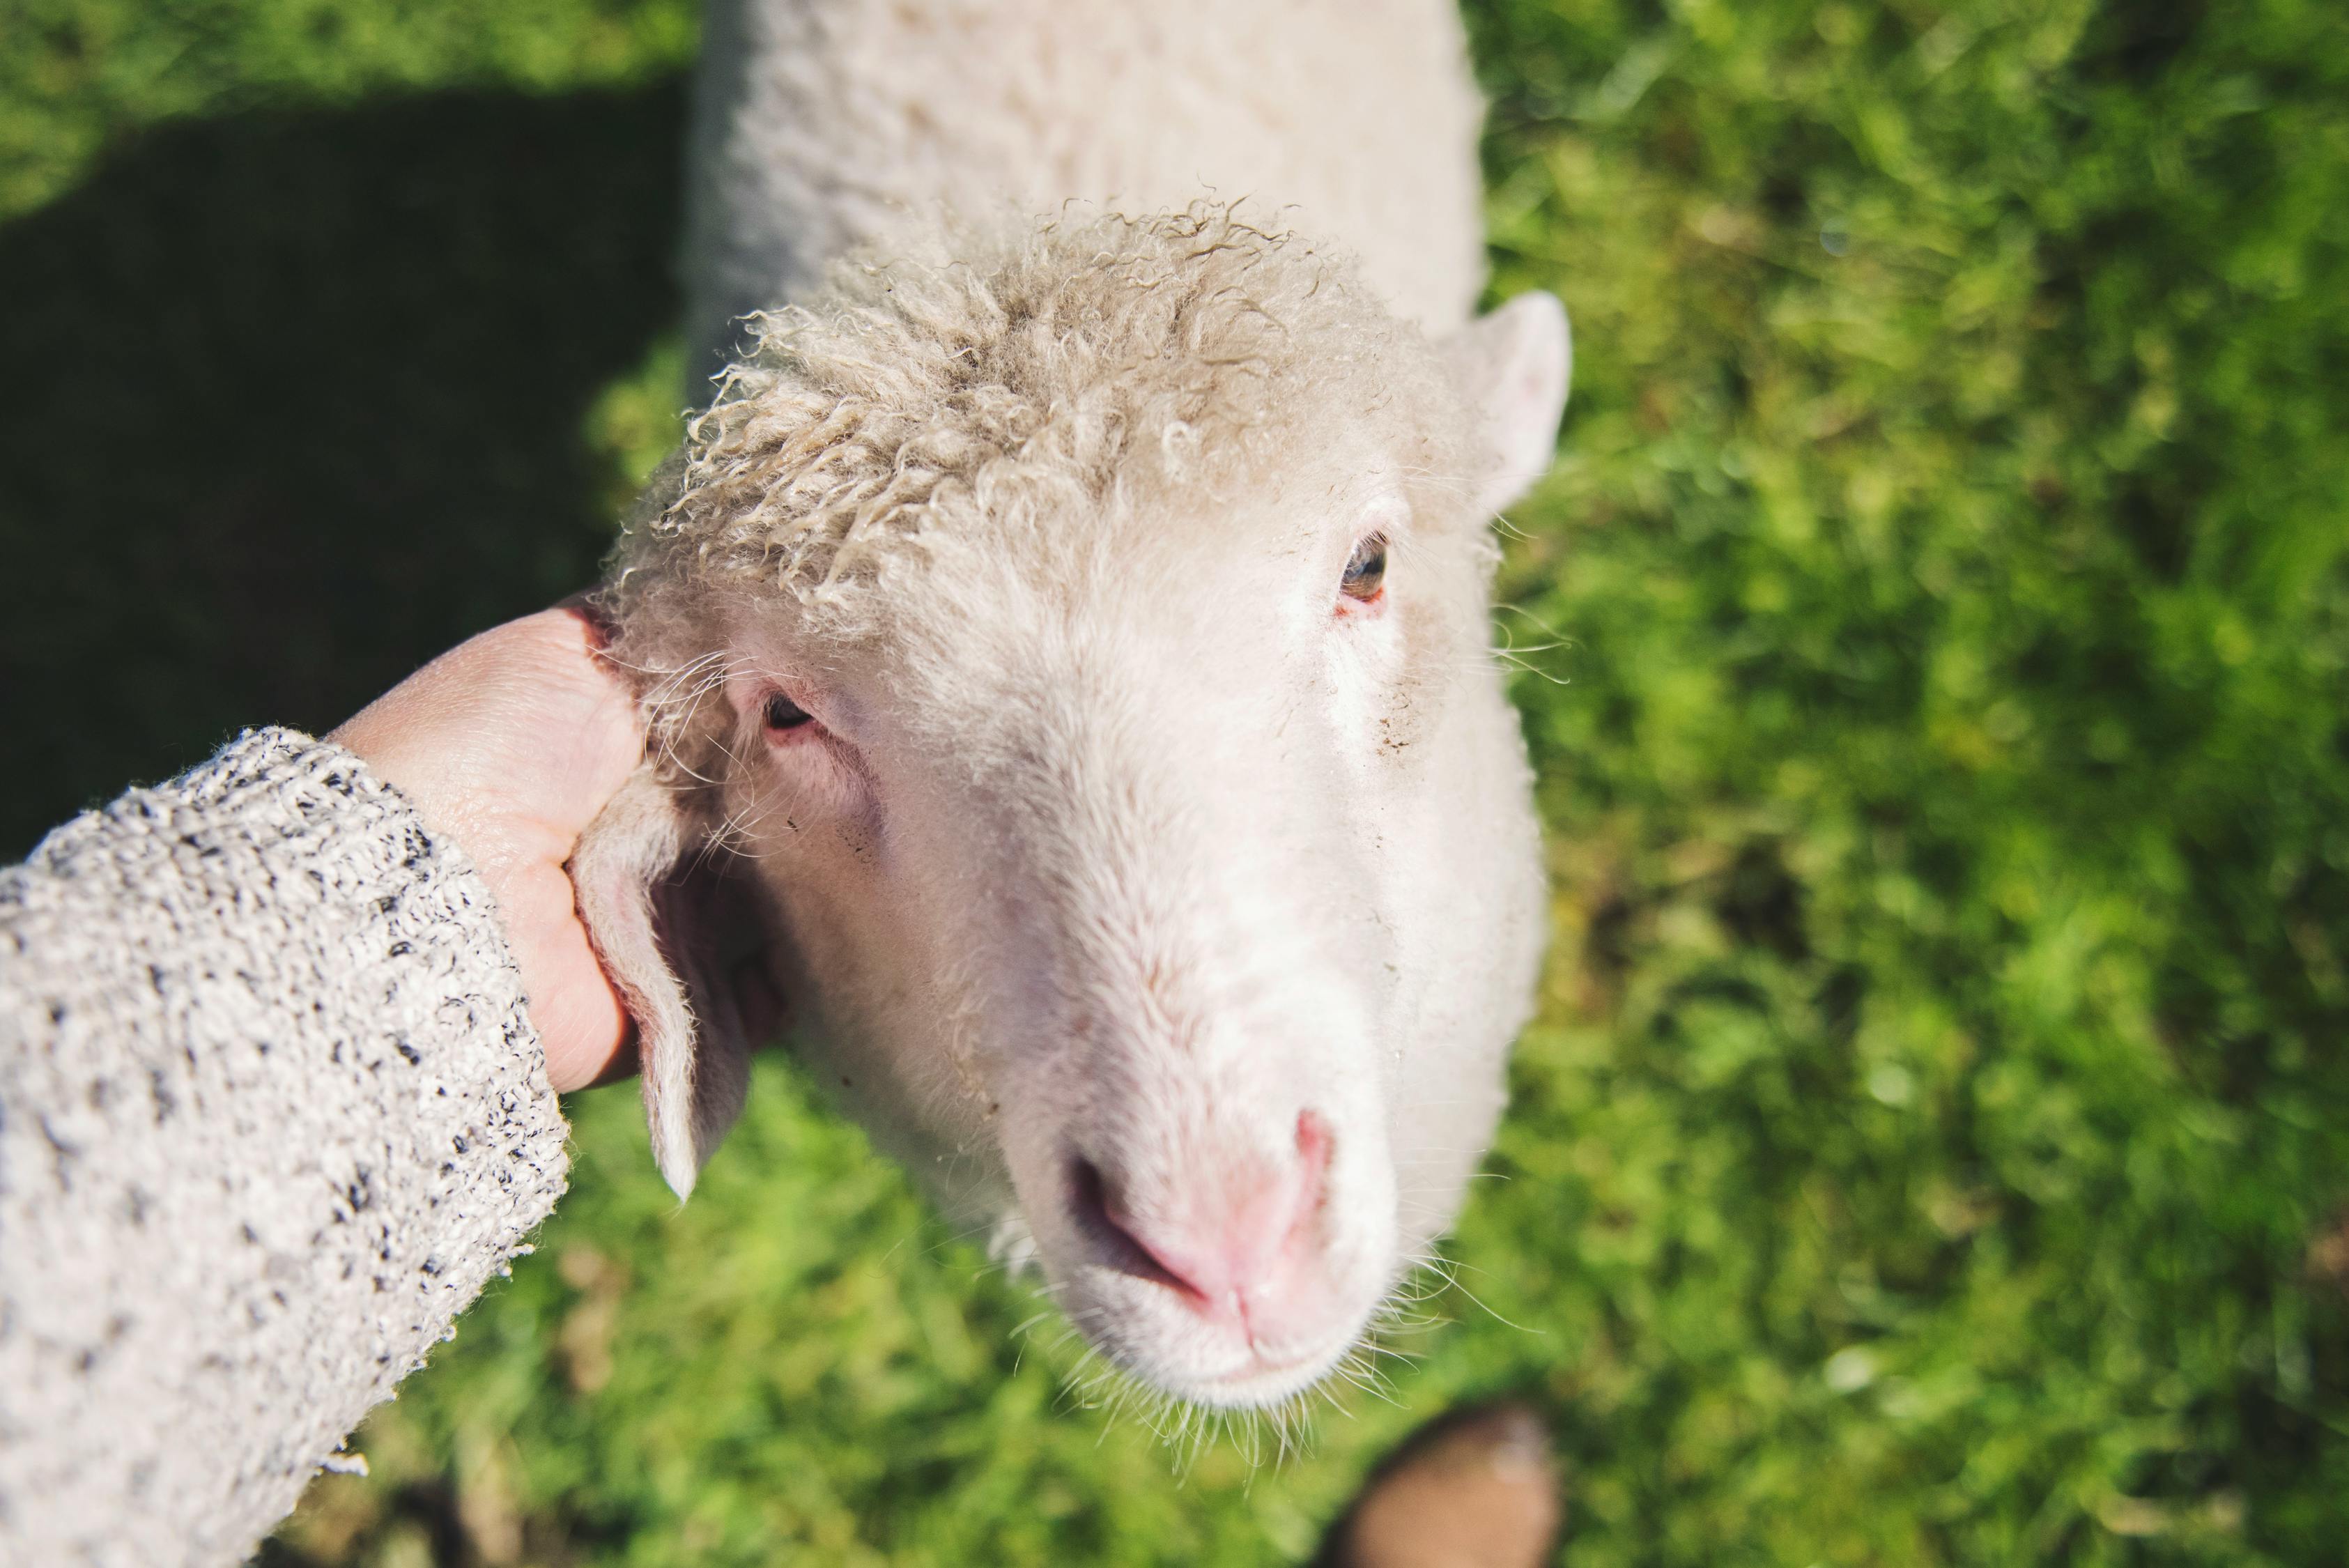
x: 1226, y: 1244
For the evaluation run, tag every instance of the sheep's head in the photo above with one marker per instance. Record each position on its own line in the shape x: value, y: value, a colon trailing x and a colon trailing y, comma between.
x: 1078, y: 655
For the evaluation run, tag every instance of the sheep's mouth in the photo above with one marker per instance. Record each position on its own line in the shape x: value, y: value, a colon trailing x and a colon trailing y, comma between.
x: 1263, y: 1383
x: 1262, y: 1387
x: 1150, y: 1333
x: 1253, y: 1382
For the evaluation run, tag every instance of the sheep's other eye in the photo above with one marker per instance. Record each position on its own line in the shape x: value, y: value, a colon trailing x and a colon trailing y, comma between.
x: 1366, y: 570
x: 781, y: 713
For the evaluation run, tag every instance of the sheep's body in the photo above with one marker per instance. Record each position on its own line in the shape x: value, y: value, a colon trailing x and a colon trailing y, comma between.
x: 821, y: 125
x: 1150, y: 877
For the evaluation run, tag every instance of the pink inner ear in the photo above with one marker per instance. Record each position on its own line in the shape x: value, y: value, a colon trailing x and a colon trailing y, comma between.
x: 625, y: 870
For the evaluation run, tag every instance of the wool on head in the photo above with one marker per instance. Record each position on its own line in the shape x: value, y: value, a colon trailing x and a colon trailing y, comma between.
x: 1074, y: 365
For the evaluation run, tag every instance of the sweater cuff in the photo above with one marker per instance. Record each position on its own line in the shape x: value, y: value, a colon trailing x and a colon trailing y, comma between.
x: 293, y: 1116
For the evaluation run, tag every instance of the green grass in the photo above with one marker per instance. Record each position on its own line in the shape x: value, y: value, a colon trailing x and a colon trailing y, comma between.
x: 1928, y: 1147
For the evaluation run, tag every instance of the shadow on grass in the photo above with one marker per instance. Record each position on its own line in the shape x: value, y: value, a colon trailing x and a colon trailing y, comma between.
x: 294, y: 402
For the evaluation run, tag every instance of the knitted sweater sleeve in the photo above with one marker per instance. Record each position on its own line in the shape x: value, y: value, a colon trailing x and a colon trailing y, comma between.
x: 270, y: 1114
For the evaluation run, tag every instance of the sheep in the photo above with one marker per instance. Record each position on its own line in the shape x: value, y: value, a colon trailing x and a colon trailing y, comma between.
x: 819, y: 126
x: 1064, y: 641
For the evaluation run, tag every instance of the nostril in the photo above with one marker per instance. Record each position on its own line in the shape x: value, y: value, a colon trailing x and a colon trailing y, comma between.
x: 1090, y: 1203
x: 1313, y: 1156
x: 1238, y: 1232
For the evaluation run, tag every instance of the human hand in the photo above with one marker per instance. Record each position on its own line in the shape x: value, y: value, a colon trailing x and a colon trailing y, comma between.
x: 511, y: 744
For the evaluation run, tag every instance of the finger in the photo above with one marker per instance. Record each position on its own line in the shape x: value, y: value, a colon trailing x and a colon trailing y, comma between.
x: 588, y: 608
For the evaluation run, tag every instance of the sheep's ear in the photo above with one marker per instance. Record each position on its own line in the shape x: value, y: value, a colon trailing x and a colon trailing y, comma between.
x: 1513, y: 365
x: 679, y: 932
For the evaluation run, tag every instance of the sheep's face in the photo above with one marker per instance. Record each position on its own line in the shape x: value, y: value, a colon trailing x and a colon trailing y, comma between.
x: 1189, y: 897
x: 1149, y: 855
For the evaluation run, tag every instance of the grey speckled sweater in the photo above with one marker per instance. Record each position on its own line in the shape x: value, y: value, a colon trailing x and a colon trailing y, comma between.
x: 271, y: 1114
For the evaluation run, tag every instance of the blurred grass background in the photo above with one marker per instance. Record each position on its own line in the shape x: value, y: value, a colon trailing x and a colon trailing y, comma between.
x: 1934, y: 1144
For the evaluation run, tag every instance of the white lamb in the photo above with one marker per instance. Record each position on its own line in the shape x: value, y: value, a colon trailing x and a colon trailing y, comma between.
x: 1066, y: 634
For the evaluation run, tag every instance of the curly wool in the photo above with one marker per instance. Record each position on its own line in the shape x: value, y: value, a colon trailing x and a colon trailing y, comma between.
x: 1062, y: 364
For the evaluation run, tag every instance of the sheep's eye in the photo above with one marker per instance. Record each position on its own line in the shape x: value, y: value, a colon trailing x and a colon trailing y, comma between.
x: 1366, y: 569
x: 782, y: 714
